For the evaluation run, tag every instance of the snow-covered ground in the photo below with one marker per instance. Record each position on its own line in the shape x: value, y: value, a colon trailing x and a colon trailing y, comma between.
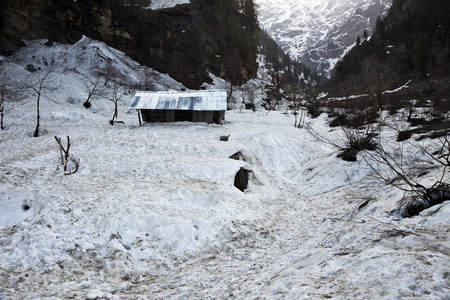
x: 152, y: 212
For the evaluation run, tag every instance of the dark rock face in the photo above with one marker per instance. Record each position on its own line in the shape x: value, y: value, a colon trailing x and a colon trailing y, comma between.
x: 27, y: 20
x: 179, y: 41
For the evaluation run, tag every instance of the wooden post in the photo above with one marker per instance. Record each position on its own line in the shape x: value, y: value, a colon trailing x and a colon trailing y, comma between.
x: 139, y: 116
x: 58, y: 140
x: 65, y: 151
x: 1, y: 121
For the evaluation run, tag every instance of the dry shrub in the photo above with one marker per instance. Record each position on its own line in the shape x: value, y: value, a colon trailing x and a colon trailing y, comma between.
x: 356, y: 140
x: 407, y: 177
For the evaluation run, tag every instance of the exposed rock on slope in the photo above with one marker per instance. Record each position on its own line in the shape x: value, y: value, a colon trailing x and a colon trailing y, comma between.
x: 318, y: 33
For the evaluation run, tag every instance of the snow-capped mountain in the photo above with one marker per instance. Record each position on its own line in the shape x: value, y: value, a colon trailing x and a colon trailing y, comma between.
x: 318, y: 32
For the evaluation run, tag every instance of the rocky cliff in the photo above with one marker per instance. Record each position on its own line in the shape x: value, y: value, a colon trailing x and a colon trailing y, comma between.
x: 187, y: 41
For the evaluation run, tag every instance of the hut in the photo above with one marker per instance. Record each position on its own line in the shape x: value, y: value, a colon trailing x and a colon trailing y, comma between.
x: 171, y: 106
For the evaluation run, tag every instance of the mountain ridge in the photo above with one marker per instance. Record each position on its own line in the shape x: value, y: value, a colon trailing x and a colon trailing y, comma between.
x: 318, y: 33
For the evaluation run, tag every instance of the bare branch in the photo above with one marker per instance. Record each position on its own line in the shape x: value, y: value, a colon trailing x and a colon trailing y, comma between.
x: 405, y: 180
x: 76, y: 164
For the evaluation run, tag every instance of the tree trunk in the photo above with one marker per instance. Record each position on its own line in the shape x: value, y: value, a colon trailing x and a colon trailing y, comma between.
x: 380, y: 94
x: 36, y: 131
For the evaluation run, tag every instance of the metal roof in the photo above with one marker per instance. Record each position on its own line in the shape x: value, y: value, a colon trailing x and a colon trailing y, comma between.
x: 210, y: 100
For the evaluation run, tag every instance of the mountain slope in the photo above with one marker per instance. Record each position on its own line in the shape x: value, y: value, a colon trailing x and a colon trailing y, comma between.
x: 187, y: 41
x: 318, y: 33
x: 411, y: 44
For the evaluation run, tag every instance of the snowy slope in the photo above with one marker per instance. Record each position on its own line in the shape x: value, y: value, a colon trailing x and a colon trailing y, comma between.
x: 88, y: 58
x: 152, y: 212
x: 319, y: 32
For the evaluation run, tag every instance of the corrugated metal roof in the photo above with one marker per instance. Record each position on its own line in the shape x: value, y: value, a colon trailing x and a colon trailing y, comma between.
x: 210, y: 100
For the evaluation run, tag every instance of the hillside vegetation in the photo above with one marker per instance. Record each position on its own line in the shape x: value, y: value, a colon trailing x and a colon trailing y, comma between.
x: 411, y: 43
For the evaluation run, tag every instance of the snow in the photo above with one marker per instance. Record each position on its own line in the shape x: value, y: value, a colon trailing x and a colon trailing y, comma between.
x: 160, y: 4
x: 152, y: 212
x: 398, y: 89
x: 17, y: 206
x: 365, y: 95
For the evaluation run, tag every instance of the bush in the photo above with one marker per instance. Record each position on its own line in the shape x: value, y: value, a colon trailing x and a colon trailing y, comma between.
x: 357, y: 140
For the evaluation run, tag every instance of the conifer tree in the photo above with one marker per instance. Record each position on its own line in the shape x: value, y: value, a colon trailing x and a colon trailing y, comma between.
x: 365, y: 35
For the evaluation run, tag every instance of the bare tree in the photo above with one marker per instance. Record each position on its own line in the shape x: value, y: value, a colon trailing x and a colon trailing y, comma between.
x: 295, y: 95
x: 302, y: 118
x: 379, y: 91
x: 249, y: 92
x: 366, y: 66
x: 39, y: 84
x: 2, y: 103
x: 273, y: 99
x: 231, y: 100
x: 91, y: 86
x: 115, y: 96
x: 351, y: 141
x: 109, y: 73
